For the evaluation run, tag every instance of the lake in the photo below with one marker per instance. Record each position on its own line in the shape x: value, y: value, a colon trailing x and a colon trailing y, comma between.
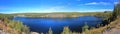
x: 57, y: 24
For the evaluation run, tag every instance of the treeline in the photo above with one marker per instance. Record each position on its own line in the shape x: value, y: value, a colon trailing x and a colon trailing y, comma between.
x: 66, y: 14
x: 16, y: 27
x: 105, y: 14
x: 8, y: 16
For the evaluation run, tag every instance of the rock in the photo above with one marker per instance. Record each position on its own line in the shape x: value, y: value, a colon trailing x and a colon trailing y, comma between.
x: 34, y: 33
x: 2, y: 32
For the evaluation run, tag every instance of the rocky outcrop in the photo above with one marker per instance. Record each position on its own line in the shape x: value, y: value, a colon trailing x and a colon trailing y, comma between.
x: 114, y: 29
x: 2, y: 32
x: 34, y: 33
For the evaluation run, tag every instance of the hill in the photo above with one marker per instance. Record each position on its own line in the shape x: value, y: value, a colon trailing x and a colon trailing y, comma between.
x: 64, y: 14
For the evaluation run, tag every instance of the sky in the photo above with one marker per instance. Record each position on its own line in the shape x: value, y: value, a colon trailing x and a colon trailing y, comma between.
x: 48, y: 6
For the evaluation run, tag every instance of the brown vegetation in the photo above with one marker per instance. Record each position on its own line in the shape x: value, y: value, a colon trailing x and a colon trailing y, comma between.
x: 4, y: 27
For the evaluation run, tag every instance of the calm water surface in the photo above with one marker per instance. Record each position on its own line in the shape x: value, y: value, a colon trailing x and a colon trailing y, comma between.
x: 57, y: 24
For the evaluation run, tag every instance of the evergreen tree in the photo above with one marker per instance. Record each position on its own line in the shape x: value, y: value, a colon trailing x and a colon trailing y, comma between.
x: 85, y: 27
x: 66, y: 30
x: 116, y: 11
x: 50, y: 31
x: 17, y: 25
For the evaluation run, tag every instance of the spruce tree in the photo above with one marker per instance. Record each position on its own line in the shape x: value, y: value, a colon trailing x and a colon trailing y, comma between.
x: 66, y: 30
x: 116, y: 11
x: 50, y: 31
x: 85, y: 27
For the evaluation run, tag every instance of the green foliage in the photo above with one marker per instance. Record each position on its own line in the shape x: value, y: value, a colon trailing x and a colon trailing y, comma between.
x: 116, y: 11
x: 50, y: 31
x: 85, y: 27
x: 66, y: 30
x: 102, y: 29
x: 17, y: 25
x: 67, y: 14
x: 25, y: 29
x: 98, y: 25
x: 8, y: 16
x: 104, y: 14
x: 115, y: 20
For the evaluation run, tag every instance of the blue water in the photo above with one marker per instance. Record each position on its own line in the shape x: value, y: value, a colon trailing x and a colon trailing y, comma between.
x: 57, y: 24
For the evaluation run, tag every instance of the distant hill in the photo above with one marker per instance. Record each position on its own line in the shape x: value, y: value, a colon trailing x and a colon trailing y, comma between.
x: 62, y: 14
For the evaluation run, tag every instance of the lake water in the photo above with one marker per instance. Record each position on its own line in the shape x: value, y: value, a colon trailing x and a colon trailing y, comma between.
x: 57, y: 24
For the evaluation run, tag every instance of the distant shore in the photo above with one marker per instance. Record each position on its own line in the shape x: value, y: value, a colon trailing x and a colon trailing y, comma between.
x: 61, y: 15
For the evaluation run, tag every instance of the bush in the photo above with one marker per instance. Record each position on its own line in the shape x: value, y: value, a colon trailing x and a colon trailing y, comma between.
x: 17, y: 25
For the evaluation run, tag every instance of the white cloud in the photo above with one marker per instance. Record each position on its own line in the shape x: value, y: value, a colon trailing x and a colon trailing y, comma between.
x: 104, y: 3
x: 49, y: 10
x: 97, y: 10
x: 115, y: 2
x: 97, y: 3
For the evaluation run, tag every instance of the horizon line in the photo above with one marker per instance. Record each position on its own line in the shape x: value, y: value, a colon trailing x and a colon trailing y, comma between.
x: 50, y: 12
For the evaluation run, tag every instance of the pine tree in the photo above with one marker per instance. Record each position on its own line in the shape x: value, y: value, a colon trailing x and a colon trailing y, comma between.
x: 66, y: 30
x: 85, y: 27
x: 50, y: 31
x: 116, y: 11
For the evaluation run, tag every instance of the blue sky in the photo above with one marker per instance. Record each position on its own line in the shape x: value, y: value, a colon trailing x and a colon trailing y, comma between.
x: 47, y: 6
